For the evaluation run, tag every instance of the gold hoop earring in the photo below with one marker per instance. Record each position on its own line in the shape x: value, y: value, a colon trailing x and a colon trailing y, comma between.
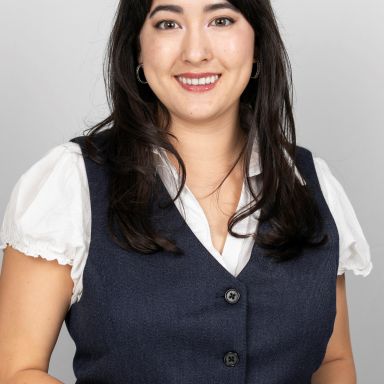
x: 138, y: 74
x: 256, y: 75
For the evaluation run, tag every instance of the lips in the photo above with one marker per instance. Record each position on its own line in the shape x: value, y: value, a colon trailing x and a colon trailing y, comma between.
x: 198, y: 87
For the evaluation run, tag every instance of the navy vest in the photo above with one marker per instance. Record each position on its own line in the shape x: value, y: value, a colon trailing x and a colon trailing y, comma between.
x: 160, y: 318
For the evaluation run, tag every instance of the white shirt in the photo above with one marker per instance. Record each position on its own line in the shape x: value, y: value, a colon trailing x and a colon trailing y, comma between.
x: 49, y: 215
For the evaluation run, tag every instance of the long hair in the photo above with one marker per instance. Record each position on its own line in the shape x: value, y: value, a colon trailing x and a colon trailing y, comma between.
x: 138, y: 121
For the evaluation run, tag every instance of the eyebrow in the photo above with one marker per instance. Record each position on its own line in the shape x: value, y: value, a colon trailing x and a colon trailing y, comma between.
x: 206, y: 9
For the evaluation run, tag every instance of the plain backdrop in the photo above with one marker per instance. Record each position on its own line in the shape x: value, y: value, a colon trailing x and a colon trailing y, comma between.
x: 52, y: 88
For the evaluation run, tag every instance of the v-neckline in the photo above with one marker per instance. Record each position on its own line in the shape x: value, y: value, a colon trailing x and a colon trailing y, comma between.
x: 205, y: 253
x: 201, y: 209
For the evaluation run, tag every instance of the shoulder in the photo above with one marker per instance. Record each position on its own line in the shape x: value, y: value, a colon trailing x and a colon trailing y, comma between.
x: 304, y: 159
x: 354, y: 249
x: 96, y: 142
x: 302, y: 153
x: 48, y: 198
x: 301, y: 150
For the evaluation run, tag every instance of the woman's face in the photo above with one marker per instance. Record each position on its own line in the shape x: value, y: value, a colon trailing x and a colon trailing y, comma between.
x: 197, y: 37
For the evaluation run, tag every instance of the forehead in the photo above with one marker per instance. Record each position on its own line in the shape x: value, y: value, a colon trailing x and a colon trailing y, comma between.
x: 186, y: 6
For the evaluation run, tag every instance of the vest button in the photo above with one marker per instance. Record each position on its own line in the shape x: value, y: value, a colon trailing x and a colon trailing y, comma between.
x: 232, y: 296
x: 231, y: 359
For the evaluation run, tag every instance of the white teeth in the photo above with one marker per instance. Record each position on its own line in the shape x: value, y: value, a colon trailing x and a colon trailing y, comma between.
x: 200, y: 81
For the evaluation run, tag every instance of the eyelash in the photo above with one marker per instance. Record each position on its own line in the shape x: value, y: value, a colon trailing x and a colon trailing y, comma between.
x: 157, y: 25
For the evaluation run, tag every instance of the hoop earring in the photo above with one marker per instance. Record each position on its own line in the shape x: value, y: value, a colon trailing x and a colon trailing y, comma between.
x: 256, y: 75
x: 138, y: 74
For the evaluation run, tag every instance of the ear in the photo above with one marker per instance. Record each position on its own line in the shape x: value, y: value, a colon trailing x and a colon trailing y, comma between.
x: 139, y: 57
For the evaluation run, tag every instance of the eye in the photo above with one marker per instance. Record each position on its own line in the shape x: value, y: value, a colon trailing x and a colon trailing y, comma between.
x: 224, y: 18
x: 167, y: 23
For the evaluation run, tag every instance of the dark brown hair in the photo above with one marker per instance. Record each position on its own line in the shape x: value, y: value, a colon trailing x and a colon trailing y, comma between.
x: 139, y: 120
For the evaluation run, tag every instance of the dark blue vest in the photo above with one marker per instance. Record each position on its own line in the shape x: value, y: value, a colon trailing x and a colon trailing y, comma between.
x: 159, y: 318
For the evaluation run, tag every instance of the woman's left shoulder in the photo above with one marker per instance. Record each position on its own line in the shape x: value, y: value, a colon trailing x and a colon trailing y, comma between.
x: 355, y: 252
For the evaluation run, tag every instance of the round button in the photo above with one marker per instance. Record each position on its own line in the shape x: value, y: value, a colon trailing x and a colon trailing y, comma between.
x: 232, y: 296
x: 231, y: 359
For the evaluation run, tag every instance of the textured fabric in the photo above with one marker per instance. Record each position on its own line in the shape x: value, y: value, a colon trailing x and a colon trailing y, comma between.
x: 49, y: 215
x: 162, y: 318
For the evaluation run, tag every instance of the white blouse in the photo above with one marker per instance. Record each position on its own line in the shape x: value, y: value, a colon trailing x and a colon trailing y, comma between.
x: 49, y: 215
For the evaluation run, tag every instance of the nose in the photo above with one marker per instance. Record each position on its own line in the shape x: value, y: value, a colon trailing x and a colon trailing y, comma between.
x: 196, y: 46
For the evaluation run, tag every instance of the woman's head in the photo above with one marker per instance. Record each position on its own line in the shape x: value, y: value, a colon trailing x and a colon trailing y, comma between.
x: 198, y: 38
x: 181, y: 37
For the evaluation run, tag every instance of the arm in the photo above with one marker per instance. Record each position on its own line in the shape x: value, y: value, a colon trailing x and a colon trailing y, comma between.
x: 338, y: 365
x: 30, y: 376
x: 35, y: 295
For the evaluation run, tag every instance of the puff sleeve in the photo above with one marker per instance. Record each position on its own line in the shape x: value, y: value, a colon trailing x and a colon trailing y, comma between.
x: 354, y: 250
x: 47, y: 214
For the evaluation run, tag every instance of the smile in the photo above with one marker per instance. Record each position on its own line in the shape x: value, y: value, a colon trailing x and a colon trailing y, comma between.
x: 198, y: 84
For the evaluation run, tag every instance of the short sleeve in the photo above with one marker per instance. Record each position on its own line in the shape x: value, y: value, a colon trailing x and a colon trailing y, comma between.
x: 48, y: 213
x: 354, y: 250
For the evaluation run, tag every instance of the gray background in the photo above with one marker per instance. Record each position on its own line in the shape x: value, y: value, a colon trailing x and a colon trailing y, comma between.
x: 52, y: 88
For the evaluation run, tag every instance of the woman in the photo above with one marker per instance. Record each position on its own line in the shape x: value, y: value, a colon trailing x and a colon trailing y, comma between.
x: 195, y: 241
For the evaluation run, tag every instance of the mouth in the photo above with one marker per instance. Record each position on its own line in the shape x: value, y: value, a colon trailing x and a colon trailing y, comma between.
x: 198, y: 84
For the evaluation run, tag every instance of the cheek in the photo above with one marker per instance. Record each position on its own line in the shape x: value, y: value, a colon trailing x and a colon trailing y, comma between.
x: 237, y: 49
x: 157, y: 53
x: 234, y: 54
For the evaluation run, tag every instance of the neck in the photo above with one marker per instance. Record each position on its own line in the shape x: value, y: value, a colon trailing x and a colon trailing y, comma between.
x: 208, y: 149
